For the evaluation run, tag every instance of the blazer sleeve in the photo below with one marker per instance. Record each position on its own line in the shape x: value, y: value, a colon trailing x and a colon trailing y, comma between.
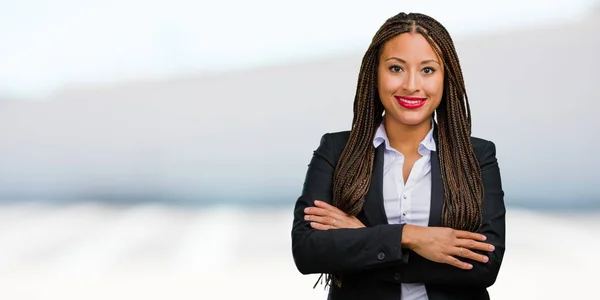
x: 339, y: 250
x: 421, y: 270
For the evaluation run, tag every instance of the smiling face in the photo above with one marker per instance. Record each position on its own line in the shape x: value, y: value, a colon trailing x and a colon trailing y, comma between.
x: 410, y: 79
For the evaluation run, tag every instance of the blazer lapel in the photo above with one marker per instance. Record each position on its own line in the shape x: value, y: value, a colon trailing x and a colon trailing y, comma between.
x: 437, y: 192
x: 373, y: 207
x: 437, y: 187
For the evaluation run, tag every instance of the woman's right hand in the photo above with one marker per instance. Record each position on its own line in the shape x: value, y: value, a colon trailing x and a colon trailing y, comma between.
x: 444, y: 245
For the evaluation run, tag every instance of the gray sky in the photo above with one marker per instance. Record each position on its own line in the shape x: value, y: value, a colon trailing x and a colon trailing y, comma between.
x: 51, y: 44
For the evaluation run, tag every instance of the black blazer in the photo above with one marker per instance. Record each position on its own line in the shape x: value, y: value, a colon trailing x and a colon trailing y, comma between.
x: 370, y: 261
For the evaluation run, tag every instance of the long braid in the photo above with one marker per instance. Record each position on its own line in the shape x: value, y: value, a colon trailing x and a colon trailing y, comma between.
x: 352, y: 176
x: 461, y: 175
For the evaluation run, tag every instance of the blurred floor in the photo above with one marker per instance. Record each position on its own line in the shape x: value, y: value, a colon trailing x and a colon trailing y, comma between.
x: 91, y: 251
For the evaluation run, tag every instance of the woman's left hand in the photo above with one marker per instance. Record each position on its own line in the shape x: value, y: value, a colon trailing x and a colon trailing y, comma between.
x: 325, y: 217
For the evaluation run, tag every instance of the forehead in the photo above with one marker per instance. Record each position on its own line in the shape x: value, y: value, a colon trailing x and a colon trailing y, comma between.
x: 408, y: 46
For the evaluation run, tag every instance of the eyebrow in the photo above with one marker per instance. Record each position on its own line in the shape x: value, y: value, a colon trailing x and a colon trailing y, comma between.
x: 423, y: 62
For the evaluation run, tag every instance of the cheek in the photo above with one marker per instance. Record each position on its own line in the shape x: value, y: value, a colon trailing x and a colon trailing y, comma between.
x: 434, y: 87
x: 387, y: 84
x: 381, y: 80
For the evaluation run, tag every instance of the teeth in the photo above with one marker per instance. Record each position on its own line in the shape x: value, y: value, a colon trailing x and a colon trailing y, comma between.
x: 411, y: 101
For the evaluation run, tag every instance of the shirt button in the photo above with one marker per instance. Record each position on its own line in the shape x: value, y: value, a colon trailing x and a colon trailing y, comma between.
x: 404, y: 197
x: 381, y: 256
x: 404, y: 214
x: 397, y: 276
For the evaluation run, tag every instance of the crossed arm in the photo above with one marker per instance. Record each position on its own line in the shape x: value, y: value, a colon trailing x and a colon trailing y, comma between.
x: 347, y: 246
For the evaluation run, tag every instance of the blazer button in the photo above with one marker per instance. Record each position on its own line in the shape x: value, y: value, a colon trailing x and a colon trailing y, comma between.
x: 397, y: 276
x: 381, y: 256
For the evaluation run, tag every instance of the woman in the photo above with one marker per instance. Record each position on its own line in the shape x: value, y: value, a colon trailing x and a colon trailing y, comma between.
x: 402, y: 206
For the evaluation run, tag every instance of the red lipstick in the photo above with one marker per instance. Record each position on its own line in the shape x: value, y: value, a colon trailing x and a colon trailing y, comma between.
x: 410, y: 102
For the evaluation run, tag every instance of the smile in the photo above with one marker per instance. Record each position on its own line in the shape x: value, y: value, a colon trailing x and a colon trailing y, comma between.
x: 410, y: 102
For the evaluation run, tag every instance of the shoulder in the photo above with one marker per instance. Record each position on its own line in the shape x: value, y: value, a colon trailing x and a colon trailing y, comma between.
x: 332, y: 144
x: 485, y: 150
x: 339, y: 138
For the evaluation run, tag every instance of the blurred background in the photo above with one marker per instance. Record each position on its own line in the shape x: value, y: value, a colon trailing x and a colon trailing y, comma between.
x: 155, y: 149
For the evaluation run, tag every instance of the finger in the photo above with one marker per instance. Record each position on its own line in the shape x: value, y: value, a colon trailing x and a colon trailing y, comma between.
x: 325, y: 205
x: 466, y: 253
x: 453, y: 261
x: 471, y: 244
x: 319, y: 226
x: 470, y: 235
x: 317, y: 211
x: 322, y: 220
x: 324, y: 212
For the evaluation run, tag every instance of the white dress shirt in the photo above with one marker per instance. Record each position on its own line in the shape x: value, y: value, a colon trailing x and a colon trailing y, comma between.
x: 407, y: 203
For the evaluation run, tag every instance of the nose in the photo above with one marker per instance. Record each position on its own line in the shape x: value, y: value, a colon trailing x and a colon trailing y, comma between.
x: 411, y: 83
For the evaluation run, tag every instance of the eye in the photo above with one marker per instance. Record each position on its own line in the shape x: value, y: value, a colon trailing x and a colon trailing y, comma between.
x: 429, y: 70
x: 395, y: 68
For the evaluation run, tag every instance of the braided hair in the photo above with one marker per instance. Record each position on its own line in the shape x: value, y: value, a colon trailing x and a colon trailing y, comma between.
x: 461, y: 174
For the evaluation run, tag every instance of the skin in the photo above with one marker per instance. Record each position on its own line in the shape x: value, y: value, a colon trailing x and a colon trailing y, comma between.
x: 408, y: 66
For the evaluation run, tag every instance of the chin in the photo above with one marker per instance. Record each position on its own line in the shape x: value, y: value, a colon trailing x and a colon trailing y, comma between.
x: 412, y: 119
x: 413, y: 122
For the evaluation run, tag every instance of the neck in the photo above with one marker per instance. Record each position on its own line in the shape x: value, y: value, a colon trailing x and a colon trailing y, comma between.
x: 406, y: 138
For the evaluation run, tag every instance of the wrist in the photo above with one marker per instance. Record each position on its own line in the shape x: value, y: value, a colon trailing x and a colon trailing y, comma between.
x: 408, y: 236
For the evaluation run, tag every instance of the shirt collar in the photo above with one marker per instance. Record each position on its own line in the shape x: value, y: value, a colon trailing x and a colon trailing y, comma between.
x: 381, y: 137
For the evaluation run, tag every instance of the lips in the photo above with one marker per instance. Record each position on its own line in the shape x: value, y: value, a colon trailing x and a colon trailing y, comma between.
x: 410, y: 102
